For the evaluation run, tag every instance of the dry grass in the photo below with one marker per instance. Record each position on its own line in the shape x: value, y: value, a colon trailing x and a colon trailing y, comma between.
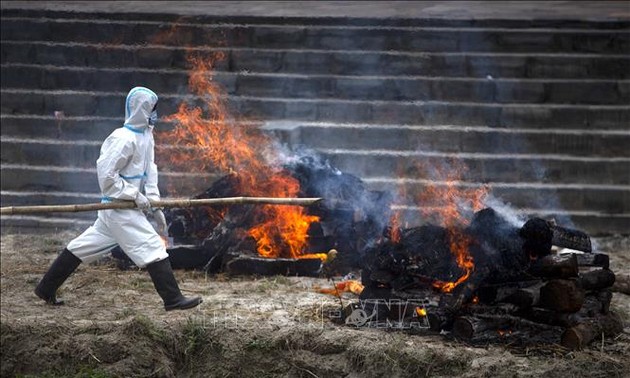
x: 114, y: 325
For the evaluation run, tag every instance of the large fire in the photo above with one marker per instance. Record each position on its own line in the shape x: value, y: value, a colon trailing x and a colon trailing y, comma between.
x: 212, y: 140
x: 443, y: 198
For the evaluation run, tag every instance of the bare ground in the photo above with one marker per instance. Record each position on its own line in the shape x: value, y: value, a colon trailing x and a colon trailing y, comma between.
x: 114, y: 325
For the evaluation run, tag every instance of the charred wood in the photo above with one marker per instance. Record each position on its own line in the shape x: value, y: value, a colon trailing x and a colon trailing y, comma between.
x: 467, y: 327
x: 604, y: 297
x: 552, y: 317
x: 555, y: 266
x: 592, y: 259
x: 189, y: 256
x: 596, y: 279
x: 526, y: 296
x: 594, y: 305
x: 487, y: 328
x: 237, y: 264
x: 568, y: 238
x: 562, y: 295
x: 492, y: 293
x: 538, y: 237
x: 498, y: 309
x: 579, y: 336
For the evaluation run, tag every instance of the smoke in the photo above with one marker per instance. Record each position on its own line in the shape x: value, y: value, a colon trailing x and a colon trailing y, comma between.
x: 507, y: 212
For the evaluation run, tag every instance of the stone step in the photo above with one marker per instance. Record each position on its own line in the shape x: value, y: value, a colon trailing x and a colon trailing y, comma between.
x: 335, y: 62
x: 319, y: 37
x: 70, y: 128
x: 62, y: 128
x: 445, y: 138
x: 439, y: 138
x: 490, y: 168
x: 386, y: 88
x: 354, y: 20
x: 109, y: 104
x: 613, y: 200
x: 481, y: 167
x: 20, y: 178
x: 454, y: 139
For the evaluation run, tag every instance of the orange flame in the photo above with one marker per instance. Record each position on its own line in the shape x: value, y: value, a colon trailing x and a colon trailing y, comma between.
x: 450, y: 204
x: 212, y: 140
x: 421, y: 311
x: 396, y: 224
x: 352, y: 286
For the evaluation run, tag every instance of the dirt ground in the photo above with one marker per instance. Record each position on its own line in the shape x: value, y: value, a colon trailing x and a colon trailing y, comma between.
x: 113, y: 324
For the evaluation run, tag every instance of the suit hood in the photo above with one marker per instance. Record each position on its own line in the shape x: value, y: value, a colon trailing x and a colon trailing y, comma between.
x: 139, y: 104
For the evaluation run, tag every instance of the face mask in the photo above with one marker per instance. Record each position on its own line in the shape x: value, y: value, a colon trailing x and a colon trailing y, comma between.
x: 153, y: 118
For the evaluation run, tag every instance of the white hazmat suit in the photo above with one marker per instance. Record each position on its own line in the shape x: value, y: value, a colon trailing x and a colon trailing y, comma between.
x: 125, y: 167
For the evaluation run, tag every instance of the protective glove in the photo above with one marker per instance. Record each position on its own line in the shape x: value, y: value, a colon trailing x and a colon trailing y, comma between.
x: 142, y: 202
x: 160, y: 220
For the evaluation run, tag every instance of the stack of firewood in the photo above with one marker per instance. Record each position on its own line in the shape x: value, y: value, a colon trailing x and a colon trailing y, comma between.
x: 570, y: 291
x: 533, y: 284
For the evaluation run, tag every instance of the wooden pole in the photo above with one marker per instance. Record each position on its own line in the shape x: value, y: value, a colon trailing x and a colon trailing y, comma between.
x: 13, y: 210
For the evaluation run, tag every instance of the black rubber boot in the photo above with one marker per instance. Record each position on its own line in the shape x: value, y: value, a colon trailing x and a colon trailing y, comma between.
x: 59, y: 271
x: 164, y: 281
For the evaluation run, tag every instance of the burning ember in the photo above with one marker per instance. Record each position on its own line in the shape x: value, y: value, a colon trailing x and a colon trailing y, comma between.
x: 351, y: 286
x: 209, y: 140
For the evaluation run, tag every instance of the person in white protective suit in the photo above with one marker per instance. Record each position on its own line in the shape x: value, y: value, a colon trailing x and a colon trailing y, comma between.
x: 125, y: 168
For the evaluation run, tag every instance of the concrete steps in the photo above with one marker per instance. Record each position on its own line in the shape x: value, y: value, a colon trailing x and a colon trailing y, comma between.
x: 444, y: 138
x: 108, y: 104
x: 297, y: 86
x: 324, y: 37
x: 326, y: 62
x: 81, y: 180
x: 540, y: 110
x: 482, y: 166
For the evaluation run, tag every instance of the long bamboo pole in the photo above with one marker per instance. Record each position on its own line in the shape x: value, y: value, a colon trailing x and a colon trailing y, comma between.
x: 12, y: 210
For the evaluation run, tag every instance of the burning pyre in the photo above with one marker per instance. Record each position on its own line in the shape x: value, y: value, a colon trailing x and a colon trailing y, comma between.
x: 468, y: 271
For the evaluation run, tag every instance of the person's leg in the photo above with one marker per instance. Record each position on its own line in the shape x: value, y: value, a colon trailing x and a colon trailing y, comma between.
x: 87, y: 247
x: 143, y: 245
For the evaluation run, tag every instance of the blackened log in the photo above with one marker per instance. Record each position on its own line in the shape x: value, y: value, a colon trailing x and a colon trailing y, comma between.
x: 189, y: 256
x: 492, y: 293
x: 592, y: 259
x: 440, y: 318
x: 596, y: 279
x: 562, y: 295
x: 538, y: 235
x: 464, y: 293
x: 381, y: 277
x: 497, y: 247
x: 555, y: 266
x: 526, y: 296
x: 622, y: 284
x: 552, y: 317
x: 594, y: 305
x: 466, y: 327
x: 579, y: 336
x: 498, y: 309
x: 568, y: 238
x: 476, y: 329
x: 605, y: 297
x: 238, y: 264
